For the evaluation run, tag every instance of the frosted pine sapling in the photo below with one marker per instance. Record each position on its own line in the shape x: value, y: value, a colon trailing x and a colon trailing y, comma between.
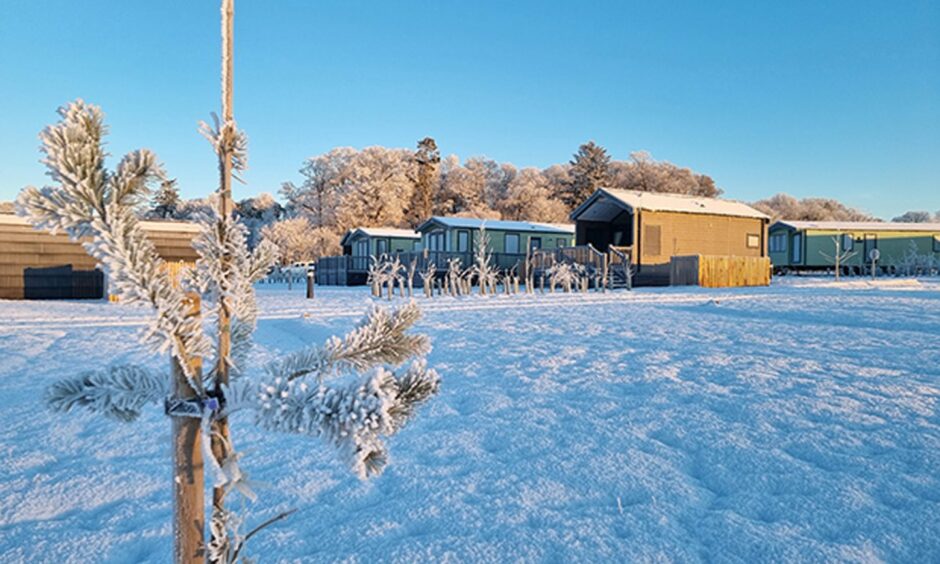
x: 353, y: 413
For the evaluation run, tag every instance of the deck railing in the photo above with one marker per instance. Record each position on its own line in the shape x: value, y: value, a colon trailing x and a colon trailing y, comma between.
x: 340, y: 270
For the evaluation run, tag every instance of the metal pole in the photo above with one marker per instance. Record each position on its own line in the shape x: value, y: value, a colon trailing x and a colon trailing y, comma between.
x: 310, y: 280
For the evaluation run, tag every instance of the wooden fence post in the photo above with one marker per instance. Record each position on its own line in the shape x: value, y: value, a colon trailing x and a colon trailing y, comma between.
x: 188, y: 486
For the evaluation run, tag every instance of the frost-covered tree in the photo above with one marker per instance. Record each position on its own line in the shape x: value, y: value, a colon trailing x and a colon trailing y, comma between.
x: 785, y: 206
x: 496, y: 178
x: 346, y: 391
x: 325, y: 181
x: 486, y: 273
x: 529, y: 198
x: 193, y: 209
x: 426, y: 181
x: 166, y: 200
x: 590, y: 170
x: 378, y: 189
x: 461, y: 188
x: 257, y: 213
x: 914, y: 217
x: 646, y: 174
x: 838, y: 258
x: 297, y: 240
x: 343, y: 391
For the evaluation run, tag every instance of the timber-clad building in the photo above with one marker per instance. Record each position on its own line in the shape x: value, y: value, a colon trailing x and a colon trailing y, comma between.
x: 651, y: 228
x: 38, y: 265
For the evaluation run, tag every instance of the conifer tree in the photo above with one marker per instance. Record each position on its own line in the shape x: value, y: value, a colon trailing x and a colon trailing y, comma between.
x: 426, y: 182
x: 167, y: 199
x: 590, y: 170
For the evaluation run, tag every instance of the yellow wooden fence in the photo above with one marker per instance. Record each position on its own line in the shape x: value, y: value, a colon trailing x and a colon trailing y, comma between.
x: 719, y: 271
x: 175, y: 269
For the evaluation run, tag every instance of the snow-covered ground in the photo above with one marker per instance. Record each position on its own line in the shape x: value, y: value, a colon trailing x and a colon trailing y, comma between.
x: 796, y: 422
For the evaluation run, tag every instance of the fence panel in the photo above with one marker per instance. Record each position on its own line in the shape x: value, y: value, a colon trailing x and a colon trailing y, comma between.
x: 719, y: 271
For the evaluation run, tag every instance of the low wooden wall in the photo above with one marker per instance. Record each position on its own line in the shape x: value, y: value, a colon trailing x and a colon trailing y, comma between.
x: 719, y: 271
x: 22, y: 247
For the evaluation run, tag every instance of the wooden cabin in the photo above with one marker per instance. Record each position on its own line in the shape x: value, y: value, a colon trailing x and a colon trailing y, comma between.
x: 38, y: 265
x: 806, y: 245
x: 378, y: 241
x: 652, y: 228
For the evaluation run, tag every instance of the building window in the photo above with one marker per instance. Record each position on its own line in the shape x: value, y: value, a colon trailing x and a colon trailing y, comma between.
x: 848, y: 242
x: 535, y: 243
x: 512, y: 243
x: 562, y: 242
x: 796, y: 254
x: 652, y: 240
x: 463, y: 241
x: 362, y: 248
x: 753, y: 241
x: 778, y: 243
x: 381, y: 247
x: 436, y: 241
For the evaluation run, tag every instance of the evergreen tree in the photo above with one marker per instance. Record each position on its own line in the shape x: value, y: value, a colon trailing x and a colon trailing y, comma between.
x: 426, y: 182
x: 590, y: 170
x: 167, y: 199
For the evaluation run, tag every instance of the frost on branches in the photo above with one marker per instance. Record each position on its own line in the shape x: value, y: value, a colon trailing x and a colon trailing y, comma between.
x: 346, y: 391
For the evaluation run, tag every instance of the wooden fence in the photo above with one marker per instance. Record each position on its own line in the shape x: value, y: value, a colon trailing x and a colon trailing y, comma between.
x: 719, y: 271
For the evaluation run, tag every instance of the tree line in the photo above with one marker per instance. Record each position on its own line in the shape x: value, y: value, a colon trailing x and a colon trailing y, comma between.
x: 346, y: 188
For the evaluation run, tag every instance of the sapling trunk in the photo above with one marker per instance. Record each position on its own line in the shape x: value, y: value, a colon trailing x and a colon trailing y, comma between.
x: 221, y: 439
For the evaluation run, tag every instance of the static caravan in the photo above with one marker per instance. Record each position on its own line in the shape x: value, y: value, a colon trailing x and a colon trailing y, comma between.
x: 652, y: 228
x: 378, y: 241
x: 461, y: 235
x: 359, y: 246
x: 38, y: 265
x: 806, y: 245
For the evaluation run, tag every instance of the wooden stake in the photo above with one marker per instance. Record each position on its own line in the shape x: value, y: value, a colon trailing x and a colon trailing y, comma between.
x: 189, y: 512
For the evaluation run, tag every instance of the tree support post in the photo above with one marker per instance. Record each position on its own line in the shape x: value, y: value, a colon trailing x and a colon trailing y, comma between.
x: 188, y: 484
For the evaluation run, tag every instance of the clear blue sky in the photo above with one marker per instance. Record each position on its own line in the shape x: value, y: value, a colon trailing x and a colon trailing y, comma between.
x: 815, y: 99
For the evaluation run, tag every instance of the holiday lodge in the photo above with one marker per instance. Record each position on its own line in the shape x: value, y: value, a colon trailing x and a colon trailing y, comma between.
x: 677, y: 239
x: 36, y: 264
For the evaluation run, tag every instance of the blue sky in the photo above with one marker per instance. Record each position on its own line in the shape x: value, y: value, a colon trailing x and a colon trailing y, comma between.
x: 815, y: 99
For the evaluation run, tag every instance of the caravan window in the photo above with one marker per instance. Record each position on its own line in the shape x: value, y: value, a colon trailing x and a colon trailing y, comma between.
x: 848, y: 242
x: 381, y: 246
x: 778, y: 243
x: 436, y: 241
x: 362, y: 248
x: 562, y: 242
x: 463, y: 241
x: 797, y: 248
x: 512, y: 243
